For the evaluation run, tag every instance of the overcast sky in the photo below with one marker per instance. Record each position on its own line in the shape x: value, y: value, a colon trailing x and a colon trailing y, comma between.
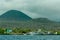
x: 34, y: 8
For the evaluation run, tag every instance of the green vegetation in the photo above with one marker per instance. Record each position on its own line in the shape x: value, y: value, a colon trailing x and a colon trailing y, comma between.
x: 19, y: 31
x: 14, y: 31
x: 1, y: 31
x: 24, y: 27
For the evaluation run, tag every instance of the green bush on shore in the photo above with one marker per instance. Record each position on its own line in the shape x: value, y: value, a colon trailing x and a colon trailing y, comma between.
x: 24, y: 30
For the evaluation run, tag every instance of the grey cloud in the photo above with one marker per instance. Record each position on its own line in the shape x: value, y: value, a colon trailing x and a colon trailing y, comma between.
x: 33, y: 8
x: 47, y: 8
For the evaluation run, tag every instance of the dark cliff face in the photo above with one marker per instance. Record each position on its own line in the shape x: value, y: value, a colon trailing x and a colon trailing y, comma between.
x: 14, y: 15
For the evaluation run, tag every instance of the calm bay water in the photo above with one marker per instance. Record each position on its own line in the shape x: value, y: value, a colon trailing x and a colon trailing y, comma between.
x: 29, y: 37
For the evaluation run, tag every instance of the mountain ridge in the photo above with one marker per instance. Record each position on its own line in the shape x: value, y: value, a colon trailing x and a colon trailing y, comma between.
x: 14, y: 15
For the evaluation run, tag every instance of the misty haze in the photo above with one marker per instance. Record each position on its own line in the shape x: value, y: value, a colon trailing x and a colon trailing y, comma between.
x: 29, y: 19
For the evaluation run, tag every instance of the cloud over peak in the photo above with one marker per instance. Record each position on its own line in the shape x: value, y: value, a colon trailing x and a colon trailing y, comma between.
x: 33, y: 8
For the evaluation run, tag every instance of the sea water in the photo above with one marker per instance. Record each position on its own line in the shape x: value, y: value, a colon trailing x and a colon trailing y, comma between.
x: 29, y: 37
